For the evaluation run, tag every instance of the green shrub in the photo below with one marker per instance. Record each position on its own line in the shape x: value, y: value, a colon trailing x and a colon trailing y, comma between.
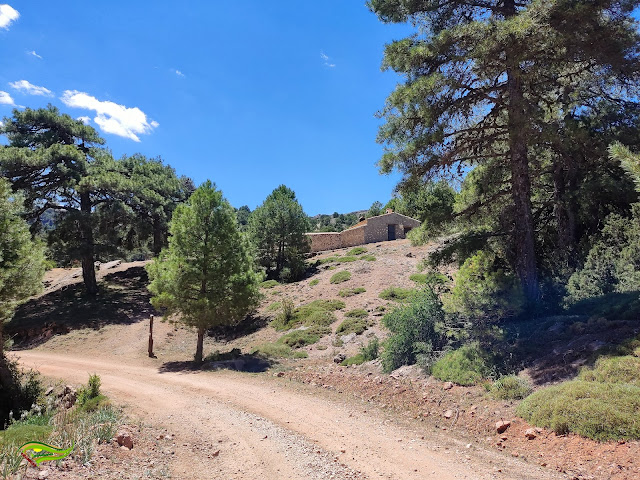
x: 416, y: 331
x: 510, y: 387
x: 90, y: 391
x: 430, y: 278
x: 613, y: 370
x: 483, y: 293
x: 357, y: 313
x: 601, y: 411
x: 357, y: 251
x: 269, y: 284
x: 274, y: 306
x: 369, y: 258
x: 337, y: 260
x: 314, y: 282
x: 350, y: 292
x: 613, y: 263
x: 302, y: 338
x: 367, y: 353
x: 23, y: 390
x: 340, y: 277
x: 396, y: 294
x: 465, y: 366
x: 355, y: 325
x: 277, y: 350
x: 95, y: 403
x: 316, y: 313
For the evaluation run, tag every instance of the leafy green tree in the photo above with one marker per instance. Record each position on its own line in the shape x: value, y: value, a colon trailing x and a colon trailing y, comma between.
x: 277, y: 229
x: 21, y: 262
x: 485, y: 83
x: 243, y: 213
x: 374, y: 210
x: 58, y: 164
x: 206, y: 274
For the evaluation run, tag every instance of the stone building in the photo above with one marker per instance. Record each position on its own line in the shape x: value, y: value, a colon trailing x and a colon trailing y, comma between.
x: 389, y: 226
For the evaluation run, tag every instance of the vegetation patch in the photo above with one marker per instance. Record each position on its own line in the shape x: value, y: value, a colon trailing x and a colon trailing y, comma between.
x: 355, y: 325
x: 510, y: 387
x: 369, y: 258
x: 338, y: 260
x: 316, y: 313
x: 277, y: 350
x: 274, y: 306
x: 302, y: 338
x: 465, y: 366
x: 269, y: 284
x: 314, y: 282
x: 366, y: 354
x: 357, y: 313
x: 350, y: 292
x: 396, y: 294
x: 340, y: 277
x: 357, y: 251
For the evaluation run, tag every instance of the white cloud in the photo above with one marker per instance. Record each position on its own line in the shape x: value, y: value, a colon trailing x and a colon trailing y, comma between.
x: 5, y: 99
x: 33, y: 52
x: 327, y: 60
x: 85, y: 120
x: 180, y: 74
x: 7, y: 15
x: 111, y: 117
x: 30, y: 89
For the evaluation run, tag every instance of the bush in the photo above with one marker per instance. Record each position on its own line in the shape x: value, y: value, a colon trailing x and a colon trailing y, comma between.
x: 368, y: 353
x: 269, y: 284
x: 357, y: 251
x: 350, y: 292
x: 483, y: 292
x: 465, y: 366
x: 416, y: 331
x: 355, y: 325
x: 24, y: 390
x: 396, y: 294
x: 302, y: 338
x: 90, y: 391
x: 314, y: 282
x: 369, y: 258
x: 511, y: 387
x: 600, y: 411
x: 613, y: 263
x: 357, y: 313
x: 340, y: 277
x: 611, y: 370
x: 337, y: 260
x: 274, y: 306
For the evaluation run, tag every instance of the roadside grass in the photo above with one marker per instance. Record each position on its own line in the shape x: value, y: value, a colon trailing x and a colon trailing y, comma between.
x: 465, y: 366
x: 269, y: 284
x: 277, y: 350
x: 396, y: 294
x: 316, y: 313
x: 350, y: 292
x: 357, y: 251
x: 510, y: 387
x: 340, y: 277
x: 602, y: 403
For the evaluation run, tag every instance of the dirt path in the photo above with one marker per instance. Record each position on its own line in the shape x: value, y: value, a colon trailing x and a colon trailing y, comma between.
x: 267, y: 428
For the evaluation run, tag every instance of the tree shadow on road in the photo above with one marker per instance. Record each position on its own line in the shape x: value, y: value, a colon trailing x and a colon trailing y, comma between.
x: 240, y: 363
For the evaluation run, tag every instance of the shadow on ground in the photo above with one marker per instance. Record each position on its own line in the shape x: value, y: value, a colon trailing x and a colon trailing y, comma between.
x: 123, y: 299
x: 240, y: 363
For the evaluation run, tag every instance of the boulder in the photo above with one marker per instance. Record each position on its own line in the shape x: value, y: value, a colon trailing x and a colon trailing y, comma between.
x: 530, y: 433
x: 124, y: 439
x: 339, y: 358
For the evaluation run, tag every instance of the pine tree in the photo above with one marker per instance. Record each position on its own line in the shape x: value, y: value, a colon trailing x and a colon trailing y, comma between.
x: 58, y: 164
x: 206, y: 275
x: 277, y: 229
x: 484, y: 81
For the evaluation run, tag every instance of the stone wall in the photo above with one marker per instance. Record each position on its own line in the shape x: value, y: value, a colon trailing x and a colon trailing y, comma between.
x: 325, y: 241
x: 353, y: 236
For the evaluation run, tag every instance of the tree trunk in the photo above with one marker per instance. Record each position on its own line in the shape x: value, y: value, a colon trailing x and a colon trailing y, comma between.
x: 523, y: 228
x: 158, y: 237
x: 86, y: 234
x: 565, y: 216
x: 198, y: 357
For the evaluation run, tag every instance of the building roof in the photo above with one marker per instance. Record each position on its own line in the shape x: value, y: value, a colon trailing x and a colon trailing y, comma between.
x: 364, y: 222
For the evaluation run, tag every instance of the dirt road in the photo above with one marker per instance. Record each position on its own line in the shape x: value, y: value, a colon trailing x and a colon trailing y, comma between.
x: 268, y: 428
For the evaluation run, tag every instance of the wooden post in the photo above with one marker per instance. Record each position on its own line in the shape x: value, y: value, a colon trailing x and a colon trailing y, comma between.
x: 151, y: 338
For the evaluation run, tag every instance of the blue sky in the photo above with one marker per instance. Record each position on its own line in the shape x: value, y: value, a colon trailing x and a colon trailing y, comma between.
x: 248, y: 94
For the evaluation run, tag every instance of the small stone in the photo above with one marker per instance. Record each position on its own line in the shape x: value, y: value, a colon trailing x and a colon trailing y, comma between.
x: 530, y: 433
x: 447, y: 386
x: 124, y: 440
x: 48, y: 392
x: 448, y: 414
x: 280, y: 374
x: 216, y: 453
x: 502, y: 426
x: 44, y: 474
x: 339, y: 358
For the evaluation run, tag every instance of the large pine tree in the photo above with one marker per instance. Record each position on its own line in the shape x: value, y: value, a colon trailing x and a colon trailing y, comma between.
x: 484, y: 81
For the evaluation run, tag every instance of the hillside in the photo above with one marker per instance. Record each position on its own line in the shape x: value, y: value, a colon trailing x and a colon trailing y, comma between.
x: 439, y: 409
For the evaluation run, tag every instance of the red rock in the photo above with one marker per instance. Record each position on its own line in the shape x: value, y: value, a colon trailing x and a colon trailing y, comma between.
x: 502, y: 426
x: 530, y: 433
